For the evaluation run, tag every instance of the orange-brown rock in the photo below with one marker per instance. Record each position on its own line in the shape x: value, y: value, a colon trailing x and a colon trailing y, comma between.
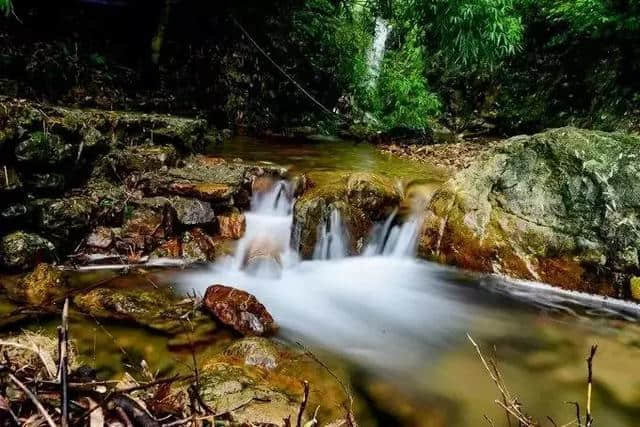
x: 232, y: 226
x: 238, y: 309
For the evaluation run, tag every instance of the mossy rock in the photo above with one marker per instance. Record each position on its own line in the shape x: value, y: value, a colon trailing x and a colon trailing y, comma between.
x: 361, y: 199
x: 156, y: 309
x: 67, y: 219
x: 43, y: 150
x: 42, y: 286
x: 23, y: 251
x: 560, y: 207
x: 136, y: 159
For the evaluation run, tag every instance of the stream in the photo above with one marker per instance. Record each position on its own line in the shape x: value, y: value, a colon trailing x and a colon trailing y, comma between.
x: 399, y: 324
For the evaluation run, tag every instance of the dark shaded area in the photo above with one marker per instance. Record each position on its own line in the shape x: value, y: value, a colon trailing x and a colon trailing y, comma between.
x: 98, y: 54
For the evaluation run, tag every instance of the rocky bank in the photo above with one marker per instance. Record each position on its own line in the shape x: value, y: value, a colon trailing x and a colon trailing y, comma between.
x: 80, y: 185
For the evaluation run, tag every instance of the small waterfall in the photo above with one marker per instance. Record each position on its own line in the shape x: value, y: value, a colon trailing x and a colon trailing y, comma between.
x: 266, y: 240
x: 332, y: 238
x: 394, y: 240
x: 376, y: 52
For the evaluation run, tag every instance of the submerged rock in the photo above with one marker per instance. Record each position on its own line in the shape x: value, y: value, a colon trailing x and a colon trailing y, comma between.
x: 263, y: 255
x: 23, y: 251
x: 244, y: 396
x: 156, y: 309
x: 40, y: 287
x: 559, y: 207
x: 239, y: 310
x: 255, y: 351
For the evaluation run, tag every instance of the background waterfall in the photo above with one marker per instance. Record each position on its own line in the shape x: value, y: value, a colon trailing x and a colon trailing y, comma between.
x: 376, y: 52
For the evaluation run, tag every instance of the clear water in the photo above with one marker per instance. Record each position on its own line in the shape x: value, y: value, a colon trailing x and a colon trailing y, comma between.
x: 403, y: 322
x: 399, y: 323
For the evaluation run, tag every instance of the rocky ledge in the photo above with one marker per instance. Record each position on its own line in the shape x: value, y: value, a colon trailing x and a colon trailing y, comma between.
x: 561, y: 207
x: 81, y: 185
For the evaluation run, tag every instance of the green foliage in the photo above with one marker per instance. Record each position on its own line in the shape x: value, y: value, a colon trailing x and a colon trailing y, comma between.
x: 403, y: 96
x: 333, y: 40
x: 596, y: 18
x: 466, y: 34
x: 6, y: 7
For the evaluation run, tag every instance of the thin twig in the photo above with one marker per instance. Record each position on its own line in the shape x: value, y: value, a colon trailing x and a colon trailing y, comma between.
x: 303, y: 404
x: 33, y: 398
x: 592, y: 354
x: 578, y: 418
x: 63, y: 358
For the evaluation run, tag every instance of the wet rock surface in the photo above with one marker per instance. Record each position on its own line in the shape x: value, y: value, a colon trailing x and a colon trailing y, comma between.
x: 115, y: 183
x: 360, y: 198
x: 23, y: 251
x: 153, y: 308
x: 42, y: 286
x: 239, y: 310
x: 559, y: 207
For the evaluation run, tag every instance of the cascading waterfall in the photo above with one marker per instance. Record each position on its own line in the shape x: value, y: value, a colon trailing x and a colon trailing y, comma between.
x: 384, y: 308
x: 376, y: 52
x: 332, y: 238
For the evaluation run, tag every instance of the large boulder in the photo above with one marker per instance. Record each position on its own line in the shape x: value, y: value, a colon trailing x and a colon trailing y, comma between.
x: 23, y: 251
x: 561, y: 207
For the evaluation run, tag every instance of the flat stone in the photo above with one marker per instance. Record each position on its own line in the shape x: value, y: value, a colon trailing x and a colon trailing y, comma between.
x: 192, y: 211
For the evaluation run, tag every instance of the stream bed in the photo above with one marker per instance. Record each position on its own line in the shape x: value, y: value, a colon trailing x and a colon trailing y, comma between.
x: 396, y: 325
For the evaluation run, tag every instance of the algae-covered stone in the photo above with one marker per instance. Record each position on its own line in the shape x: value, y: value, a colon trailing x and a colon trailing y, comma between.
x: 66, y: 219
x: 561, y: 207
x: 22, y: 251
x: 40, y: 287
x: 192, y: 211
x: 255, y: 351
x: 374, y: 194
x: 248, y: 399
x: 43, y: 149
x: 634, y: 285
x: 153, y: 308
x: 313, y: 209
x: 136, y: 159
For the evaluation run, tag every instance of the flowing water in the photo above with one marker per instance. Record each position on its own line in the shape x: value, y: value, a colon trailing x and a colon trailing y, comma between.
x: 400, y: 323
x: 404, y: 321
x: 375, y: 55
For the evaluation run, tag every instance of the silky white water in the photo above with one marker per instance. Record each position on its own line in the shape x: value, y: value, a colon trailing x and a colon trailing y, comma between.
x: 375, y: 54
x: 385, y: 309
